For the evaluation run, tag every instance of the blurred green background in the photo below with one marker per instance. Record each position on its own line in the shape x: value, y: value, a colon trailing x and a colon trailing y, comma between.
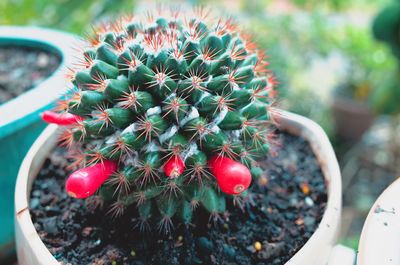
x: 319, y: 50
x: 313, y: 45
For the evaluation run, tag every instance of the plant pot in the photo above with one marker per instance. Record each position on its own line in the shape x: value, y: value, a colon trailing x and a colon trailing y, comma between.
x: 317, y: 250
x: 380, y: 236
x: 352, y: 118
x: 20, y: 122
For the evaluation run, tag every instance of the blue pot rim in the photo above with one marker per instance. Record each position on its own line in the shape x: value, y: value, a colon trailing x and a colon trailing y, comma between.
x: 25, y: 109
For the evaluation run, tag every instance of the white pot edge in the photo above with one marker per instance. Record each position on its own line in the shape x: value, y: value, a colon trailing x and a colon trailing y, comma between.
x: 380, y: 236
x: 31, y: 250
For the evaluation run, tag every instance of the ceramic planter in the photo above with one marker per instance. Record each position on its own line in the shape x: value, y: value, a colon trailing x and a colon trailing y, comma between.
x: 352, y: 118
x: 318, y: 250
x: 19, y: 118
x: 380, y: 237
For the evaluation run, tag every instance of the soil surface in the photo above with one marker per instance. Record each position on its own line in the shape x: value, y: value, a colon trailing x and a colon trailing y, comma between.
x: 22, y: 68
x: 283, y: 215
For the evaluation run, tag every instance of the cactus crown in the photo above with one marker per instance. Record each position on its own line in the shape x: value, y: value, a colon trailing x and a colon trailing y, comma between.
x: 160, y: 98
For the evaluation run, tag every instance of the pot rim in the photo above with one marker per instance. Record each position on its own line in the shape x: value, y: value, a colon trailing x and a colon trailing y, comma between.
x: 323, y: 238
x: 380, y: 236
x: 25, y: 108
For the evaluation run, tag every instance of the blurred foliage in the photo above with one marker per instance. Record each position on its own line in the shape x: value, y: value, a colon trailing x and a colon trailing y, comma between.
x: 336, y: 34
x: 309, y: 104
x: 386, y: 28
x: 368, y: 62
x: 319, y: 35
x: 337, y: 5
x: 293, y: 43
x: 386, y: 97
x: 387, y: 24
x: 69, y: 15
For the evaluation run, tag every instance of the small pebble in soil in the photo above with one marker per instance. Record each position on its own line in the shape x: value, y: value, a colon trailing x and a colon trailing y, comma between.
x: 284, y: 214
x: 22, y: 68
x: 257, y: 246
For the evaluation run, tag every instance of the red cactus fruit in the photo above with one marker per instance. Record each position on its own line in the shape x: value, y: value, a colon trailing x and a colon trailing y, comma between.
x: 85, y: 181
x: 60, y: 118
x: 174, y: 167
x: 232, y: 177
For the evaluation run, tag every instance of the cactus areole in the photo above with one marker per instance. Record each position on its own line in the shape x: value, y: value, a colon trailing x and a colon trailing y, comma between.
x: 158, y: 106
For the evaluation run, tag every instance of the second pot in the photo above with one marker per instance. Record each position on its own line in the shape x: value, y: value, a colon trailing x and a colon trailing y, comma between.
x: 352, y: 118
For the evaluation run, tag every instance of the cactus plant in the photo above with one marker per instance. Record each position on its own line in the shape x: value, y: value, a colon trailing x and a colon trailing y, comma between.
x: 165, y: 114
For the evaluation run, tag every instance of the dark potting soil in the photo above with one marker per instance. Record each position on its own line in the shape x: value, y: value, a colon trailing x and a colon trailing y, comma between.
x: 284, y: 214
x: 22, y: 68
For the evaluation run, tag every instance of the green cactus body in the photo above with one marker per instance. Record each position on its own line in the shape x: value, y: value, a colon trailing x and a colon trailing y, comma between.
x: 177, y: 87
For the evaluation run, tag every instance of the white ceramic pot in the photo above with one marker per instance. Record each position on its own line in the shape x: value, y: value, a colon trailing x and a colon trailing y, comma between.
x: 317, y: 250
x: 380, y: 237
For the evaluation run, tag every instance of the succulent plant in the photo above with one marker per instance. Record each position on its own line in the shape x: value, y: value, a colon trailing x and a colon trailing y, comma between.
x: 166, y: 114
